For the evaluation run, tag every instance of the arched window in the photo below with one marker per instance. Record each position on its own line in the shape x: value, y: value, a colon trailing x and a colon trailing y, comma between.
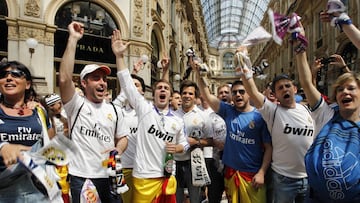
x: 95, y: 18
x: 3, y: 29
x: 155, y: 57
x: 95, y: 45
x: 349, y: 54
x: 228, y: 59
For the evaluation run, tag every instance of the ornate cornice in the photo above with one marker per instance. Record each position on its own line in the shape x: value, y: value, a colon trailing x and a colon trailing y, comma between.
x: 155, y: 17
x: 20, y: 29
x: 137, y: 48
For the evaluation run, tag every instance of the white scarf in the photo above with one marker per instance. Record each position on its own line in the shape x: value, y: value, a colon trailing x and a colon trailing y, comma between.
x: 200, y: 176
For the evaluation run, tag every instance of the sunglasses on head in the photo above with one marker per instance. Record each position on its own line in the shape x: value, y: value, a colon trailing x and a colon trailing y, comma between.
x: 234, y: 92
x: 13, y: 73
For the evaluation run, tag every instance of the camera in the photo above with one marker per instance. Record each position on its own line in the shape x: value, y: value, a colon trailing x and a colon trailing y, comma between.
x: 326, y: 61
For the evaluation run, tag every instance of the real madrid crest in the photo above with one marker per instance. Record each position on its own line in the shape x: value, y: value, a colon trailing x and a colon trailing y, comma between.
x: 252, y: 125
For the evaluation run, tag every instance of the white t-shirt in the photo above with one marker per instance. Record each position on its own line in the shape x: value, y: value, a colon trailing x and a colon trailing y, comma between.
x: 322, y: 115
x: 292, y: 133
x: 93, y: 133
x: 197, y: 125
x: 130, y: 122
x: 154, y: 130
x: 218, y: 127
x: 58, y: 124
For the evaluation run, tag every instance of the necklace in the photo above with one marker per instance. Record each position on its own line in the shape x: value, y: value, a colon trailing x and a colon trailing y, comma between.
x: 20, y: 109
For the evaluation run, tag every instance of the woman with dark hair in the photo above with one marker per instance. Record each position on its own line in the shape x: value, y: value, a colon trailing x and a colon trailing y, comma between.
x: 20, y: 129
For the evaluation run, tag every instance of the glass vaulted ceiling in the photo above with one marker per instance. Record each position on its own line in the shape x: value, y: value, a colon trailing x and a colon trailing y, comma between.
x: 228, y: 22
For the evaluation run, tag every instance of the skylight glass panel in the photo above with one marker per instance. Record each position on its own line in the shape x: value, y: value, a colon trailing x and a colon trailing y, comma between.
x: 229, y: 21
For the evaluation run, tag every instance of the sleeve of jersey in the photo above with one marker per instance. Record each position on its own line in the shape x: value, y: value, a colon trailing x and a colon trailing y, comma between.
x: 181, y: 139
x: 73, y: 105
x: 127, y: 84
x: 121, y: 130
x: 267, y: 111
x: 120, y: 99
x: 322, y: 114
x: 222, y: 109
x: 208, y: 130
x: 266, y: 138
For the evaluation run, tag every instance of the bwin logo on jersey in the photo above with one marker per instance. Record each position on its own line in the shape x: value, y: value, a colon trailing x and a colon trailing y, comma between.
x: 159, y: 134
x: 298, y: 131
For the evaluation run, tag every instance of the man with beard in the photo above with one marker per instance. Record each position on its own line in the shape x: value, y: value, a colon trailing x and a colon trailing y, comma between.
x: 247, y: 150
x: 292, y: 130
x: 95, y: 125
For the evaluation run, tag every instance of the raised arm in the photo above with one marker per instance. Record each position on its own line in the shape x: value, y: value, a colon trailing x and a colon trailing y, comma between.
x: 343, y: 21
x: 353, y: 33
x: 126, y: 82
x: 244, y: 66
x: 137, y: 66
x: 315, y: 67
x: 165, y: 62
x: 67, y: 87
x: 211, y: 99
x: 256, y: 96
x: 118, y: 48
x: 305, y: 76
x: 339, y: 63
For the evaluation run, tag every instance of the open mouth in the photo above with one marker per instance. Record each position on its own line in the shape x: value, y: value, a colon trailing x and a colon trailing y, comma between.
x: 10, y: 85
x: 162, y: 96
x: 100, y: 89
x: 286, y: 96
x: 346, y: 100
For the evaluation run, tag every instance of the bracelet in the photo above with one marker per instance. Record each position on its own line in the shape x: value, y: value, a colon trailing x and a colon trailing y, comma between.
x: 301, y: 48
x: 343, y: 19
x: 302, y: 45
x: 248, y: 75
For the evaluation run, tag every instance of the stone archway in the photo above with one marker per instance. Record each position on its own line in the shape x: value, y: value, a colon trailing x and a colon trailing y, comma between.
x: 109, y: 6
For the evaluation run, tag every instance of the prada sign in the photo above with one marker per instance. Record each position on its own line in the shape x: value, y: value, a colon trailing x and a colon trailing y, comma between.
x: 89, y: 47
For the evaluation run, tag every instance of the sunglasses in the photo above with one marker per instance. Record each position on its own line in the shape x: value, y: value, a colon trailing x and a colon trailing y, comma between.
x: 13, y: 73
x: 234, y: 92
